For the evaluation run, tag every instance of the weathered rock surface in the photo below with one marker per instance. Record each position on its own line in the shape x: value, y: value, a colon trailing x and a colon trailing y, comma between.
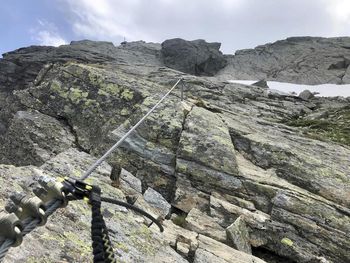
x: 20, y: 68
x: 195, y: 57
x: 157, y: 201
x: 188, y: 197
x: 237, y: 233
x: 204, y: 224
x: 306, y: 95
x: 302, y: 60
x: 210, y: 250
x: 159, y: 209
x: 130, y: 185
x: 34, y: 138
x: 229, y: 151
x: 66, y: 237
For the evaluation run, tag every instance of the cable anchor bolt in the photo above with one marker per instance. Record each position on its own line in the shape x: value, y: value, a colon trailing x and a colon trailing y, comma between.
x: 11, y: 228
x: 29, y: 207
x: 51, y: 189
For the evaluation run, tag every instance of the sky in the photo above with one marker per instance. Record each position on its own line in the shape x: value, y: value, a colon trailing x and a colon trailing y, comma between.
x: 237, y: 24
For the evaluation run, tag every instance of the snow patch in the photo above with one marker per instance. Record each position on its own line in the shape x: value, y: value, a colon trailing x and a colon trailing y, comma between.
x: 324, y: 90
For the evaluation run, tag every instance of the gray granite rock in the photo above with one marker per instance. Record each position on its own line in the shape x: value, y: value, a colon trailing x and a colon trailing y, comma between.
x: 188, y: 197
x: 130, y: 184
x: 205, y: 225
x: 238, y: 235
x: 227, y: 151
x: 301, y: 60
x: 195, y: 57
x: 210, y: 250
x: 34, y: 138
x: 306, y: 95
x: 261, y: 83
x: 157, y: 201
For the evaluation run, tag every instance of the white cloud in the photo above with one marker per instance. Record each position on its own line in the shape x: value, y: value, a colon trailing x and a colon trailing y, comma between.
x: 105, y: 19
x: 236, y: 24
x: 153, y: 20
x: 46, y: 34
x: 47, y: 38
x: 339, y: 11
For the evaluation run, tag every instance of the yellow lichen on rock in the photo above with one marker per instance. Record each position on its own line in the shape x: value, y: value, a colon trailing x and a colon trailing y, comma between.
x: 286, y: 241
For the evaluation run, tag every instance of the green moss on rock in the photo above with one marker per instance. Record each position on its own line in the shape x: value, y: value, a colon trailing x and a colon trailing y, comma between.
x: 84, y: 247
x: 180, y: 220
x: 334, y: 127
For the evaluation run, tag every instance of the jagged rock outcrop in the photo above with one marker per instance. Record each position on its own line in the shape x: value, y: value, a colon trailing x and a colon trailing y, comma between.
x: 227, y: 151
x: 34, y: 138
x: 20, y: 68
x: 302, y: 60
x: 195, y: 57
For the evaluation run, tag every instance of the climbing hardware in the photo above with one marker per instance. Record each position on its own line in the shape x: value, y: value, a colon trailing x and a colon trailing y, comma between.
x: 24, y: 213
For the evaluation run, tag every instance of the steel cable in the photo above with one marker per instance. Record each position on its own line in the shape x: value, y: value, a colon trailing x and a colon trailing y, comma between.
x: 29, y: 226
x: 31, y: 223
x: 116, y: 145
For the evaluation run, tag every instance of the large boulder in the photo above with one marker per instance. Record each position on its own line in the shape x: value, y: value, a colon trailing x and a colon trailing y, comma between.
x: 306, y: 95
x: 25, y: 67
x: 195, y: 57
x: 22, y: 66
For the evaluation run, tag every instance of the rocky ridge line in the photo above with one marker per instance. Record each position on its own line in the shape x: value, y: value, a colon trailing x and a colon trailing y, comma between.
x: 300, y: 60
x: 224, y: 160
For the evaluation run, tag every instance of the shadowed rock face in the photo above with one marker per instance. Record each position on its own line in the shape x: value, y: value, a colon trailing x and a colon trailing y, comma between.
x: 302, y: 60
x: 228, y: 153
x: 195, y: 57
x: 33, y: 138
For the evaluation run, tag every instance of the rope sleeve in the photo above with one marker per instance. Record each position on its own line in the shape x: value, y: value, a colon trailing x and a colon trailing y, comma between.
x: 101, y: 245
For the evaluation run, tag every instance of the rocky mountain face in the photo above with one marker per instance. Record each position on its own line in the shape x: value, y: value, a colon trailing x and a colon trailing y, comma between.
x: 236, y: 173
x: 302, y: 60
x: 195, y: 57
